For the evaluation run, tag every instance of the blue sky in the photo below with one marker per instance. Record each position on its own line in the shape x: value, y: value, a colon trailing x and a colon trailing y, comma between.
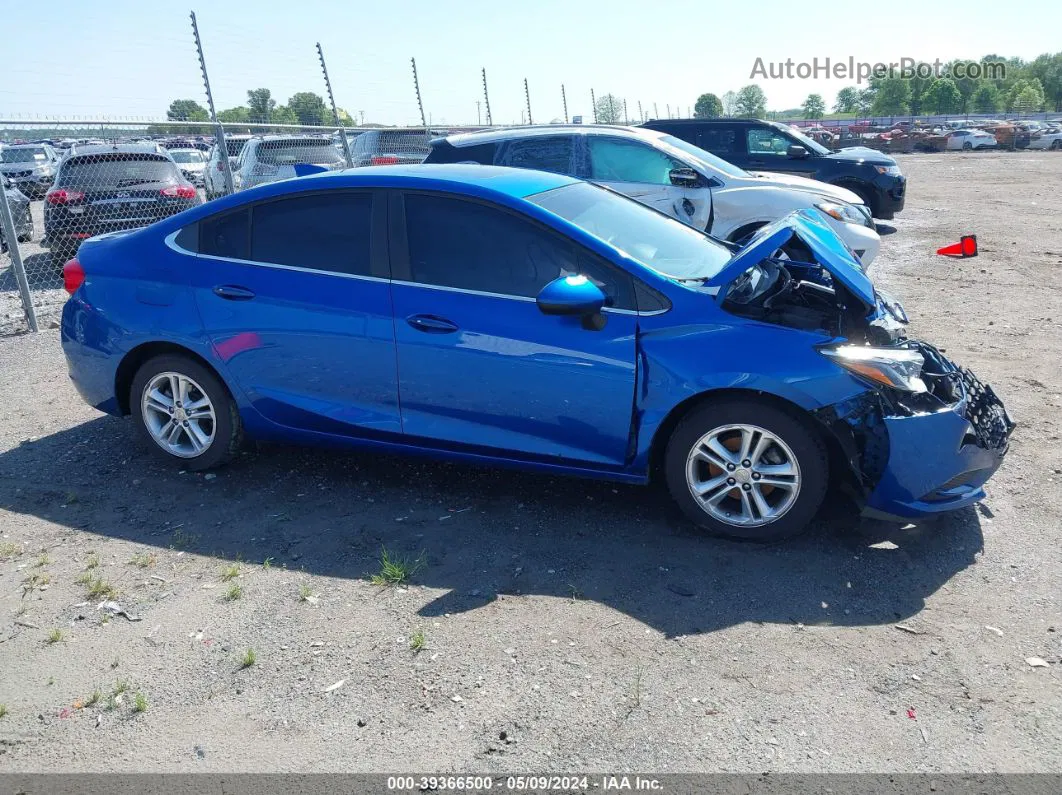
x: 119, y: 58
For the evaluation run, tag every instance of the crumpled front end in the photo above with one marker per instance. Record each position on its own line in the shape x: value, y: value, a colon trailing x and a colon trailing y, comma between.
x: 915, y: 455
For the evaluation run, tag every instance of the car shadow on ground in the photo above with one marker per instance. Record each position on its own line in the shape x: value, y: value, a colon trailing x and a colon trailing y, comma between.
x: 41, y: 274
x: 884, y: 229
x: 482, y: 533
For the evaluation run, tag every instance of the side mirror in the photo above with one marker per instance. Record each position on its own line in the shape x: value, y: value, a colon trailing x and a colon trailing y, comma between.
x: 570, y: 295
x: 796, y: 152
x: 684, y: 177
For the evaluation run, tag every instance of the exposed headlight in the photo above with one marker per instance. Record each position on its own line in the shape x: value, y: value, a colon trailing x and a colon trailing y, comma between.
x: 892, y: 171
x: 897, y: 368
x: 846, y: 213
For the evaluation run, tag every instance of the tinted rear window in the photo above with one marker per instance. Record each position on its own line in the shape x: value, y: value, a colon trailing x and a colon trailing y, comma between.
x: 551, y: 153
x: 280, y: 153
x: 400, y: 142
x: 111, y: 171
x: 225, y: 235
x: 234, y: 147
x: 444, y: 152
x: 326, y: 232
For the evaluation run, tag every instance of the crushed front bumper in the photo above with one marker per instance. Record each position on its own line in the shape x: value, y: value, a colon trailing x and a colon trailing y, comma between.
x: 919, y: 455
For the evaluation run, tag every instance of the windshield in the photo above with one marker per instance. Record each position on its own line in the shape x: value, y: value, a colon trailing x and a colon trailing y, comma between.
x: 705, y: 158
x: 22, y: 155
x: 187, y: 157
x: 314, y: 152
x: 667, y: 246
x: 810, y: 144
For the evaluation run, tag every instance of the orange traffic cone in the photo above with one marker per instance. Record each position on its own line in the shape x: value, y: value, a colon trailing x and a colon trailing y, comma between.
x: 966, y: 247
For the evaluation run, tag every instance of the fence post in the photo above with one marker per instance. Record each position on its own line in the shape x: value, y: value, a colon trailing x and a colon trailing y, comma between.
x: 527, y: 96
x: 219, y: 131
x: 486, y: 98
x: 641, y: 116
x: 7, y: 222
x: 564, y: 101
x: 335, y: 112
x: 593, y: 104
x: 416, y: 87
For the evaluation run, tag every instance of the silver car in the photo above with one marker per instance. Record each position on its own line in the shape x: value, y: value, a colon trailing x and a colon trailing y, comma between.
x: 30, y: 167
x: 20, y: 213
x: 270, y: 158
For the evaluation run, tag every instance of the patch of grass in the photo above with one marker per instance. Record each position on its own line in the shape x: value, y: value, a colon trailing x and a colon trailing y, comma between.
x: 93, y: 562
x: 182, y: 540
x: 249, y: 658
x: 305, y: 592
x: 144, y: 560
x: 417, y: 641
x: 97, y: 587
x: 394, y: 569
x: 22, y: 608
x: 51, y: 681
x: 112, y: 703
x: 120, y: 686
x: 9, y: 549
x: 42, y: 561
x: 140, y: 703
x: 114, y: 663
x: 36, y: 581
x: 94, y: 699
x: 3, y: 710
x: 84, y: 578
x: 55, y: 636
x: 230, y: 572
x: 267, y: 564
x: 234, y: 592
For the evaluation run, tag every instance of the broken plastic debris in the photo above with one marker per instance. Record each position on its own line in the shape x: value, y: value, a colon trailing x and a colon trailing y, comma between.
x: 997, y: 630
x: 1036, y: 662
x: 905, y: 628
x: 116, y: 609
x: 335, y: 686
x: 911, y: 714
x: 456, y: 699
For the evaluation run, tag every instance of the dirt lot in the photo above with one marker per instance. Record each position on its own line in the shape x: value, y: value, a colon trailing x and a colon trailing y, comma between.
x: 565, y: 625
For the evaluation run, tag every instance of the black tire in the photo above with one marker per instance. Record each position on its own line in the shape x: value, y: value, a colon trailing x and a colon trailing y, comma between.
x: 1056, y: 144
x: 805, y: 444
x: 228, y: 431
x: 967, y: 146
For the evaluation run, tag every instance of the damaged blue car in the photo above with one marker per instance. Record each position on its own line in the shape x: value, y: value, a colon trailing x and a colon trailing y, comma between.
x: 512, y: 317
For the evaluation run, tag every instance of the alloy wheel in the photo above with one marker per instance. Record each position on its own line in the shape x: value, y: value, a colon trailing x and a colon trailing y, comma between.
x: 178, y: 415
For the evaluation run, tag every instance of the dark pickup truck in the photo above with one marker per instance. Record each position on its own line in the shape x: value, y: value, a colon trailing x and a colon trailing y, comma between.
x: 756, y: 145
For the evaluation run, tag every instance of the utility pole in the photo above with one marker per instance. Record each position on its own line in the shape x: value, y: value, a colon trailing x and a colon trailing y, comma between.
x: 656, y: 113
x: 641, y: 116
x: 626, y: 119
x: 219, y: 130
x: 593, y: 104
x: 479, y: 118
x: 564, y: 101
x: 527, y: 96
x: 335, y: 111
x: 420, y: 105
x: 668, y: 110
x: 486, y: 99
x: 362, y: 114
x: 611, y: 109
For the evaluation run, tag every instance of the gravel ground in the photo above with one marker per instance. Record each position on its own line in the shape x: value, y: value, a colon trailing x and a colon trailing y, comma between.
x: 565, y: 625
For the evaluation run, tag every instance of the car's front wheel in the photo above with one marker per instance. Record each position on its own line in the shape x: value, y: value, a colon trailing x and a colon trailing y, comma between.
x: 185, y: 411
x: 747, y: 469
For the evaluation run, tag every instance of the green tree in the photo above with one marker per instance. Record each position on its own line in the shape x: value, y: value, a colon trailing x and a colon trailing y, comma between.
x: 943, y: 96
x: 1026, y: 95
x: 919, y: 87
x: 708, y: 106
x: 261, y: 104
x: 310, y: 109
x: 814, y: 107
x: 892, y: 96
x: 1048, y: 70
x: 235, y: 115
x: 865, y: 100
x: 729, y: 103
x: 186, y: 110
x: 282, y: 114
x: 750, y: 102
x: 966, y: 85
x: 609, y: 109
x: 985, y: 99
x: 847, y: 100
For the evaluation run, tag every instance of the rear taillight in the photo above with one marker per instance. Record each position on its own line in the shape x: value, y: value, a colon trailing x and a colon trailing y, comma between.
x: 179, y: 192
x: 384, y: 160
x: 63, y: 196
x: 73, y: 276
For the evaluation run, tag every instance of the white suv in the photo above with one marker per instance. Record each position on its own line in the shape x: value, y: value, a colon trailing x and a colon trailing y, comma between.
x: 270, y: 158
x: 669, y: 174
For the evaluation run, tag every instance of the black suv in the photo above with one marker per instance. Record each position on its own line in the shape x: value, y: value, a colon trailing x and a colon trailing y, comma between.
x: 757, y: 145
x: 105, y: 188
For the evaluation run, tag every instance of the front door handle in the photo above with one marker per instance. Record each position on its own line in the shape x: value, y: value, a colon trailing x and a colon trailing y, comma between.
x: 431, y: 324
x: 232, y: 292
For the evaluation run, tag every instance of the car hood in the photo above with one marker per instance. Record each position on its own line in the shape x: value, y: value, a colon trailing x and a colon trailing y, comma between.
x: 862, y: 154
x: 827, y: 248
x: 793, y: 182
x: 7, y: 167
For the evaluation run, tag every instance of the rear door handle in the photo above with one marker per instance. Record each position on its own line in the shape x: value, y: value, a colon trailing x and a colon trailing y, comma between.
x: 232, y: 292
x: 431, y: 324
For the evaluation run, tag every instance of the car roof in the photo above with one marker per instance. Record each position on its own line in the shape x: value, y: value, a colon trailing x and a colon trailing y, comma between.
x: 100, y: 149
x: 24, y: 146
x: 512, y: 133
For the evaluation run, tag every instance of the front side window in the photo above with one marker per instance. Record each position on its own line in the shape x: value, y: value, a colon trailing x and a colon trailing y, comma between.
x: 470, y: 246
x: 323, y: 231
x: 617, y: 160
x: 552, y: 153
x: 767, y: 142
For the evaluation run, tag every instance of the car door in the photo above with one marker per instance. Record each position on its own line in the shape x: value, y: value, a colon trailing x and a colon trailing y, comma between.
x: 642, y: 172
x: 768, y: 150
x: 479, y: 366
x: 293, y: 292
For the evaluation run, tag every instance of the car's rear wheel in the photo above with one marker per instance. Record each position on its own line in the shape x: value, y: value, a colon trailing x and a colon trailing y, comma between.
x: 746, y: 469
x: 1056, y: 144
x: 967, y: 146
x: 184, y: 411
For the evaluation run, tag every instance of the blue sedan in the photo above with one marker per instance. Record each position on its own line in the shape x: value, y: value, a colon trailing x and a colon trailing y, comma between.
x: 513, y: 317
